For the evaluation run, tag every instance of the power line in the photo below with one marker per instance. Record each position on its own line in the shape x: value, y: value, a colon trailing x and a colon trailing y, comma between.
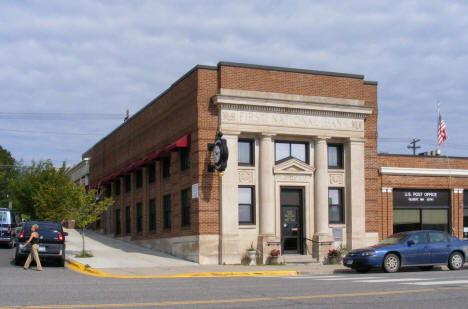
x: 60, y: 116
x: 48, y: 132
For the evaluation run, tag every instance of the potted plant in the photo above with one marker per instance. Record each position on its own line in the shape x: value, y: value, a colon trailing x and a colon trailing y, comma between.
x: 252, y: 254
x: 343, y: 251
x: 333, y: 256
x: 275, y: 256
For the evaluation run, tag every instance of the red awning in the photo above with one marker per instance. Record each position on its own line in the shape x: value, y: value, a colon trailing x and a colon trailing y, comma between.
x: 182, y: 142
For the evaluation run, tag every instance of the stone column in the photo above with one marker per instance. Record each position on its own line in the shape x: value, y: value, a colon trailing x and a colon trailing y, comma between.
x: 356, y: 224
x: 266, y: 204
x: 266, y: 186
x: 322, y: 238
x: 229, y: 222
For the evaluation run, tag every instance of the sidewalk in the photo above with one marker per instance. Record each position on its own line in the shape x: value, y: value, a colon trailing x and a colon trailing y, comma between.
x: 122, y: 258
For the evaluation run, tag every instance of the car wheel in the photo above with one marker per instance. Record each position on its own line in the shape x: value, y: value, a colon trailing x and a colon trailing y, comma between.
x: 456, y: 261
x: 363, y: 270
x: 391, y: 263
x: 426, y: 267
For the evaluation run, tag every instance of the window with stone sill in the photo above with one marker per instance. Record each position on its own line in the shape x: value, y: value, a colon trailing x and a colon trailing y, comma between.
x: 245, y: 152
x: 285, y: 150
x: 335, y: 206
x: 335, y: 156
x: 246, y: 200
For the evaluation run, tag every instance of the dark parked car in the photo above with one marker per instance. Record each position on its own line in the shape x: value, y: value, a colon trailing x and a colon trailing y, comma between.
x: 418, y: 248
x: 10, y: 221
x: 51, y: 242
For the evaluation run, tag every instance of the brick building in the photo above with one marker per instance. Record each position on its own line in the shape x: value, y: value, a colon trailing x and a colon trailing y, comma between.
x: 303, y: 173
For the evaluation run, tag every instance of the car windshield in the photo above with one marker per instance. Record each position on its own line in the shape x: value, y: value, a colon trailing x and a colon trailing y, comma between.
x: 393, y: 239
x: 3, y: 217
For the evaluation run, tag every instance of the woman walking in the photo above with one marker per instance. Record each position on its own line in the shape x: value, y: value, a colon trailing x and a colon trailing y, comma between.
x: 34, y: 240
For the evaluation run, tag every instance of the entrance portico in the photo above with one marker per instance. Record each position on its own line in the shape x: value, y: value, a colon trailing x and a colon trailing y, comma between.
x: 307, y: 124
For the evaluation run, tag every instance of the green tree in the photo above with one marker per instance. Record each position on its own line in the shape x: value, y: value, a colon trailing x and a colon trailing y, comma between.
x: 8, y: 172
x: 87, y: 208
x: 43, y: 192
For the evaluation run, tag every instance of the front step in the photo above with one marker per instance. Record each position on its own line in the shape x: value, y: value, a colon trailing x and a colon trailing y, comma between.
x: 298, y: 259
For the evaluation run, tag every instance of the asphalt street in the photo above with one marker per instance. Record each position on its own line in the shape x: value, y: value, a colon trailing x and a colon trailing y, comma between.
x: 57, y: 287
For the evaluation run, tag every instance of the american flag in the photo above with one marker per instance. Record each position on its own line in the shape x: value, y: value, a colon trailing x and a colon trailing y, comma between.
x: 441, y: 130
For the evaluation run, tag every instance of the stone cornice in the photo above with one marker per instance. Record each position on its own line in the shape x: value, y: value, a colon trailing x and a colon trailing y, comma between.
x: 407, y: 171
x: 303, y: 105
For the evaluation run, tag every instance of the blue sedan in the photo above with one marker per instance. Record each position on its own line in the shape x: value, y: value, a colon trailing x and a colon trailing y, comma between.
x: 418, y: 248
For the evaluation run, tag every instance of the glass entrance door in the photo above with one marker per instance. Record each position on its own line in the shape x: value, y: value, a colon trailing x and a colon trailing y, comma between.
x: 291, y: 221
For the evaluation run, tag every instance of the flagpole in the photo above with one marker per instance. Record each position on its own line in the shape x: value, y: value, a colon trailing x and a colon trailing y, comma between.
x: 437, y: 128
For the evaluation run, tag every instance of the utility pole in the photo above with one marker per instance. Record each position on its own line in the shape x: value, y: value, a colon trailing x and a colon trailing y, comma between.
x: 413, y: 145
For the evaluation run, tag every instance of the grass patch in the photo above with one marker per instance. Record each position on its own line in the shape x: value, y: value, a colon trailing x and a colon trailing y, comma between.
x: 84, y: 254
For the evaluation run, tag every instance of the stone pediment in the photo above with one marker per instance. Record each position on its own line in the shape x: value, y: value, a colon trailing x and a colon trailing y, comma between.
x: 293, y: 166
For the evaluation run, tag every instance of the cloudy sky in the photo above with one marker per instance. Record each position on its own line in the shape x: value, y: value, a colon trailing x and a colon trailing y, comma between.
x: 70, y: 69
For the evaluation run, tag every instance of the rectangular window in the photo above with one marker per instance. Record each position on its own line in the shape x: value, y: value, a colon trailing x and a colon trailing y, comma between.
x: 246, y: 200
x: 245, y: 152
x: 335, y: 156
x: 117, y: 222
x: 151, y: 173
x: 127, y: 220
x: 166, y: 167
x: 167, y: 211
x: 184, y: 159
x: 108, y: 190
x: 128, y: 183
x: 117, y: 187
x: 139, y: 217
x: 138, y: 178
x: 287, y: 150
x: 186, y: 198
x: 152, y: 215
x: 335, y: 206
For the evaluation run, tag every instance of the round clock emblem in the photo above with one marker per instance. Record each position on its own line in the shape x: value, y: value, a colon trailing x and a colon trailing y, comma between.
x: 220, y: 153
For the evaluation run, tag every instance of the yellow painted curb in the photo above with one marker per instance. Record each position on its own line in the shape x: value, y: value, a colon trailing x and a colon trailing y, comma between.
x: 78, y: 267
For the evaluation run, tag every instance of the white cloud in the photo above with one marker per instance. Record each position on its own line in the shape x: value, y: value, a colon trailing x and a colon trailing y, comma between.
x: 95, y: 56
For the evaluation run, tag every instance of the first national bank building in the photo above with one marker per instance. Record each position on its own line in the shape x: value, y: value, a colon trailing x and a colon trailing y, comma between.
x: 302, y: 173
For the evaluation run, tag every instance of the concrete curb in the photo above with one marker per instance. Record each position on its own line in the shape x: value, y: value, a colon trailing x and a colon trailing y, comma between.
x: 87, y: 270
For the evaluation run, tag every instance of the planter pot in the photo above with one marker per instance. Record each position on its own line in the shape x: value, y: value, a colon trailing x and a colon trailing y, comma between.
x: 334, y: 260
x: 276, y: 259
x: 252, y: 256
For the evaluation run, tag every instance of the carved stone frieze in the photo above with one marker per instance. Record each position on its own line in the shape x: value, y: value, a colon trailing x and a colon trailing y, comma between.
x: 246, y: 177
x: 336, y: 179
x: 298, y: 120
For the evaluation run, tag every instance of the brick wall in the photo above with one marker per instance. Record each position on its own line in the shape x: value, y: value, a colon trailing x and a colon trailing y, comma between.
x: 167, y: 118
